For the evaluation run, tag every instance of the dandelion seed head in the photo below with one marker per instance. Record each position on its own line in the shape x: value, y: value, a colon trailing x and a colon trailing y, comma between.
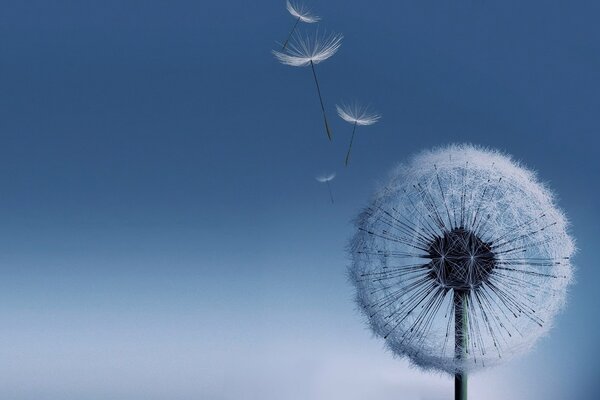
x: 461, y: 222
x: 301, y: 12
x: 304, y: 49
x: 355, y: 113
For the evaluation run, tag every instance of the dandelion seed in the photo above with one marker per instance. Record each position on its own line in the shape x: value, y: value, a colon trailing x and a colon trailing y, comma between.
x: 356, y: 115
x: 326, y: 178
x: 302, y: 14
x: 462, y: 261
x: 304, y: 51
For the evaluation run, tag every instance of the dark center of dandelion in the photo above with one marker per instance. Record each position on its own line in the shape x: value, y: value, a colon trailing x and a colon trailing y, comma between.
x: 460, y: 260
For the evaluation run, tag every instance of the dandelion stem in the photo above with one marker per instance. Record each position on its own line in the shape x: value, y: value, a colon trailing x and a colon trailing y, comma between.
x: 290, y: 35
x: 330, y: 193
x: 460, y: 341
x: 350, y: 147
x: 321, y: 100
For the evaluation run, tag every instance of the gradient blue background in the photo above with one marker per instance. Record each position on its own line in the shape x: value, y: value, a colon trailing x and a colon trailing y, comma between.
x: 162, y: 234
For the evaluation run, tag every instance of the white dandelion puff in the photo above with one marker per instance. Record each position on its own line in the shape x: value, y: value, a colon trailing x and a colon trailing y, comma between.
x: 461, y: 261
x: 356, y: 114
x: 306, y: 50
x: 302, y: 14
x: 326, y: 178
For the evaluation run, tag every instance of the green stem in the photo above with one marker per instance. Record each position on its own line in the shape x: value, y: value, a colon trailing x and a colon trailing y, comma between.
x: 290, y: 35
x: 330, y: 193
x: 350, y: 148
x: 460, y: 341
x: 321, y: 100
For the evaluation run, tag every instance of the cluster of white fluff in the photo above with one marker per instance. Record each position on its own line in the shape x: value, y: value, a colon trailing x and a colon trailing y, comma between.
x: 358, y: 114
x: 301, y: 12
x: 304, y: 50
x: 482, y: 190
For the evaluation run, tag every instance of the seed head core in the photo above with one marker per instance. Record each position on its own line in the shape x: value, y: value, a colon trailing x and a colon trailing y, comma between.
x: 460, y: 260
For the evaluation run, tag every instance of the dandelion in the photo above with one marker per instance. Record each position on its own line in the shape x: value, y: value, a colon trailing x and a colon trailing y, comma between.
x: 304, y: 51
x: 302, y: 14
x: 462, y: 261
x: 326, y: 178
x: 356, y: 115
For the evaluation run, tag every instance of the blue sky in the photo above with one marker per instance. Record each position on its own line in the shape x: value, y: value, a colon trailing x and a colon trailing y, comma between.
x: 163, y: 236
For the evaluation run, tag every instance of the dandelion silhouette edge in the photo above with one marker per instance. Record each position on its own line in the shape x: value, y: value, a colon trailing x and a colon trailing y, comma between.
x: 461, y: 220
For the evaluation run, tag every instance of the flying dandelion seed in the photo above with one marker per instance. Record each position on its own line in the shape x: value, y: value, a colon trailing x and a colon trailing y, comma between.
x: 326, y: 178
x: 462, y: 261
x: 302, y: 14
x: 356, y: 115
x: 304, y: 51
